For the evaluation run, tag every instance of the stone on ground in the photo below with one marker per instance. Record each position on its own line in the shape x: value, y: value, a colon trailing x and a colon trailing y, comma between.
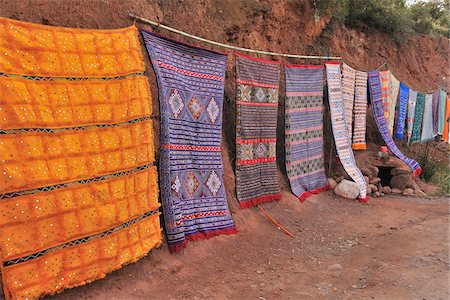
x: 347, y: 189
x: 408, y: 192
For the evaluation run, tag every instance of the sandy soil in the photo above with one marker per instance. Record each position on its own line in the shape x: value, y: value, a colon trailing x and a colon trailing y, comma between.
x: 393, y: 248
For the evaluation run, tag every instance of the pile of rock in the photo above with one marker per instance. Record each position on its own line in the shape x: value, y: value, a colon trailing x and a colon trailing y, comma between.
x: 401, y: 183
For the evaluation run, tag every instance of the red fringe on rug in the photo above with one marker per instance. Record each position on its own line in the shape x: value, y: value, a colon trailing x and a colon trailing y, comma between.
x: 363, y: 200
x: 199, y: 236
x: 262, y: 199
x: 418, y: 171
x: 308, y: 194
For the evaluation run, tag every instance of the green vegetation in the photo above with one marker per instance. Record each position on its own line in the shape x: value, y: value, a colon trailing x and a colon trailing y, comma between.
x: 395, y: 17
x: 434, y: 172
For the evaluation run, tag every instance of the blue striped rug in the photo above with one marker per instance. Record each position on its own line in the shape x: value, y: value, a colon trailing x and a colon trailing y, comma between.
x: 191, y: 85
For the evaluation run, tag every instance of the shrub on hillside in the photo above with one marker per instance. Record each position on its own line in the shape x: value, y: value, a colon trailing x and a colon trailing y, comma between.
x: 394, y: 17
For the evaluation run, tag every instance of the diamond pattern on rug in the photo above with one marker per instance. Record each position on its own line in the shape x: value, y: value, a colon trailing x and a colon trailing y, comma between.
x: 213, y: 110
x: 191, y: 183
x: 176, y: 103
x: 260, y: 95
x: 195, y: 108
x: 176, y: 184
x: 261, y: 150
x: 214, y: 183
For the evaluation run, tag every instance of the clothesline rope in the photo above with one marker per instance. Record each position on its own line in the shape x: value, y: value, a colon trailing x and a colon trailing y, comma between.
x: 135, y: 17
x: 157, y: 24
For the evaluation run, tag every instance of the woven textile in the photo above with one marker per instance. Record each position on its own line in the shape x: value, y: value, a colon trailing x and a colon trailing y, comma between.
x: 446, y: 131
x: 257, y: 106
x: 39, y: 50
x: 360, y: 111
x: 441, y: 116
x: 378, y: 114
x: 304, y: 130
x: 418, y: 115
x: 412, y: 99
x: 339, y: 125
x: 394, y: 90
x: 63, y: 103
x: 191, y: 86
x: 403, y: 103
x: 436, y: 100
x: 78, y: 188
x: 427, y: 123
x: 348, y: 94
x: 385, y: 79
x: 73, y: 155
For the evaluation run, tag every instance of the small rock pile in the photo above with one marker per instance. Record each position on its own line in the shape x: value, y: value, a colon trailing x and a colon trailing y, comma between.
x: 401, y: 182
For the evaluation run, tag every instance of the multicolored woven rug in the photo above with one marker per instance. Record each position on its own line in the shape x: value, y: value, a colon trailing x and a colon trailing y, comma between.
x: 403, y: 104
x: 385, y: 78
x: 257, y: 105
x: 418, y: 114
x: 427, y: 123
x: 394, y: 90
x: 441, y: 116
x: 348, y: 94
x: 446, y: 131
x: 304, y: 130
x: 436, y: 101
x: 412, y: 99
x: 360, y: 111
x: 380, y: 120
x: 78, y: 192
x: 339, y: 125
x: 191, y: 85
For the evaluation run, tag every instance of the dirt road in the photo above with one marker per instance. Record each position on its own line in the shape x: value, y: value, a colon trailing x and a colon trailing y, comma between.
x: 393, y: 248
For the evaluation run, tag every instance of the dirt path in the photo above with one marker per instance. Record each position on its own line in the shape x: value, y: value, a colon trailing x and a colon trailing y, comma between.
x: 394, y: 248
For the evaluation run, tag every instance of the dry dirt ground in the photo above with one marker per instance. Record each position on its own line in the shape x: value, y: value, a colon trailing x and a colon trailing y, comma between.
x: 392, y: 248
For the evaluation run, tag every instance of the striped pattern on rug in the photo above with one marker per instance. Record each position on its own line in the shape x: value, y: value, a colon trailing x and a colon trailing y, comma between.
x: 436, y: 102
x: 394, y: 85
x: 191, y: 85
x: 380, y: 120
x: 348, y: 94
x: 339, y: 125
x: 256, y: 130
x: 360, y: 111
x: 418, y: 115
x: 403, y: 104
x: 385, y: 78
x: 304, y: 130
x: 412, y: 99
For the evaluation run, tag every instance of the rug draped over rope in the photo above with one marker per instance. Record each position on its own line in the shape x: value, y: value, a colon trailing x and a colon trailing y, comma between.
x: 441, y: 116
x: 360, y: 111
x: 78, y: 192
x: 256, y: 130
x: 394, y: 91
x: 446, y: 131
x: 191, y: 85
x: 304, y: 130
x: 385, y: 78
x: 418, y: 115
x: 427, y: 123
x: 348, y: 94
x: 412, y: 99
x: 436, y: 101
x: 403, y: 103
x: 380, y: 120
x: 339, y: 125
